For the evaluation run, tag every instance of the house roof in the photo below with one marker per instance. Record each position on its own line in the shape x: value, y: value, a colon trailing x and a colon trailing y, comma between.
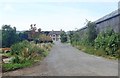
x: 51, y: 32
x: 55, y: 32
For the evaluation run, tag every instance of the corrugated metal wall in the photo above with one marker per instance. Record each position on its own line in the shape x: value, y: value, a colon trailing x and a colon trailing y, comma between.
x: 110, y: 21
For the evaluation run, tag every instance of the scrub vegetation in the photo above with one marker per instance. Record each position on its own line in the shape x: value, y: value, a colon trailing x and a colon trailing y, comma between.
x: 106, y: 43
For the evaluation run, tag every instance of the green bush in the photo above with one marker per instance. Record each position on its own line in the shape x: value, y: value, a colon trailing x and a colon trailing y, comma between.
x: 91, y: 32
x: 63, y: 36
x: 25, y: 51
x: 109, y: 42
x: 25, y: 54
x: 17, y: 48
x: 15, y: 60
x: 35, y: 49
x: 106, y: 43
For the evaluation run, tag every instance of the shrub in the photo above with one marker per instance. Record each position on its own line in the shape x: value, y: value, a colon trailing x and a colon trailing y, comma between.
x: 105, y: 43
x: 21, y: 53
x: 27, y: 51
x: 63, y: 36
x: 19, y: 47
x: 109, y: 42
x: 15, y: 60
x: 25, y: 54
x: 35, y: 49
x: 91, y: 32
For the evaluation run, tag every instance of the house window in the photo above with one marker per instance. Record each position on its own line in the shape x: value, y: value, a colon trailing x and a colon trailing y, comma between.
x: 53, y: 35
x: 53, y: 38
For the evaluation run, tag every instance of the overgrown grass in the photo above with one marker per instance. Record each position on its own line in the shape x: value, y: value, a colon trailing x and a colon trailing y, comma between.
x: 14, y: 66
x: 11, y: 66
x: 93, y: 51
x: 7, y: 54
x: 26, y: 54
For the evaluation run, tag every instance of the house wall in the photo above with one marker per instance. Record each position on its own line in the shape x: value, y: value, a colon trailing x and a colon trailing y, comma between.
x: 55, y: 37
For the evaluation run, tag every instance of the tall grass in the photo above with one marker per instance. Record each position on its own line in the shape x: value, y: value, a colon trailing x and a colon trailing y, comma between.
x: 26, y: 54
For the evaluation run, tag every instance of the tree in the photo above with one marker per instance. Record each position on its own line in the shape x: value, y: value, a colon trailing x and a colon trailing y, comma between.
x: 33, y: 29
x: 39, y: 30
x: 91, y: 31
x: 63, y: 37
x: 71, y: 36
x: 23, y: 36
x: 9, y: 36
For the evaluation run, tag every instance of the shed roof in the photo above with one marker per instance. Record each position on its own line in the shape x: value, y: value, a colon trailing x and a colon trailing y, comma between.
x: 108, y: 16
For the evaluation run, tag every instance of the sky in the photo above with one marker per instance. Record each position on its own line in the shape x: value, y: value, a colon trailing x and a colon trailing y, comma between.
x: 53, y: 14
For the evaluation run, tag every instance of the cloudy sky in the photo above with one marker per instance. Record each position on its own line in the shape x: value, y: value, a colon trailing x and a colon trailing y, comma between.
x: 53, y: 14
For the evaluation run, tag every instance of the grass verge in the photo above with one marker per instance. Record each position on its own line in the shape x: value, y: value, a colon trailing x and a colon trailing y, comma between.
x: 11, y: 66
x: 93, y: 51
x: 14, y: 66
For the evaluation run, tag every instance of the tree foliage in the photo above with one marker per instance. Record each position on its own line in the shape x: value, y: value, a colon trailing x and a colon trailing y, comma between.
x: 9, y: 36
x: 44, y: 38
x: 84, y: 37
x: 63, y: 36
x: 91, y: 31
x: 108, y: 41
x: 23, y: 36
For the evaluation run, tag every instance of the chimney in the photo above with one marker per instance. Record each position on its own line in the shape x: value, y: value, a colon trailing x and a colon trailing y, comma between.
x: 61, y: 30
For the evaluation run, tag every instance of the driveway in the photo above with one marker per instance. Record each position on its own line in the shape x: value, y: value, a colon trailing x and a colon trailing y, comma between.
x: 65, y: 60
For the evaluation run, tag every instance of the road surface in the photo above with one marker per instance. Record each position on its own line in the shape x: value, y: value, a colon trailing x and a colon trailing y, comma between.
x: 65, y: 60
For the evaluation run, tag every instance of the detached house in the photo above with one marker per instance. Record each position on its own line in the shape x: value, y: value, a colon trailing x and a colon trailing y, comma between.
x: 55, y: 35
